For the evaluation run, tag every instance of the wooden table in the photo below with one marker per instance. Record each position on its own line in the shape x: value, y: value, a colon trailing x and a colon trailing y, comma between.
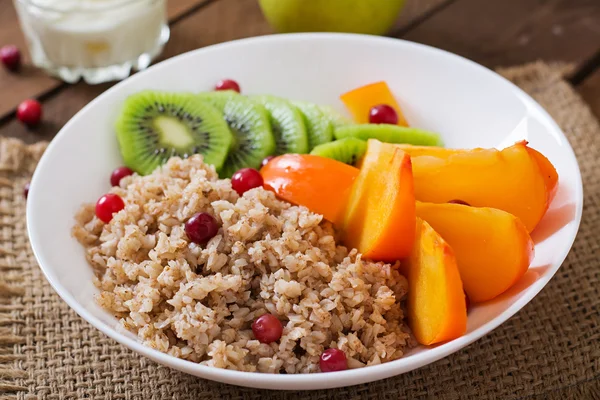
x: 491, y: 32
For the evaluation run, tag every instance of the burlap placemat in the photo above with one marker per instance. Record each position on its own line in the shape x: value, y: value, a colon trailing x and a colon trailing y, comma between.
x: 551, y: 349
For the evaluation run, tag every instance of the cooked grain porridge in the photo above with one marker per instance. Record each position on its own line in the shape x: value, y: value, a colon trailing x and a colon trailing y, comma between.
x: 198, y: 302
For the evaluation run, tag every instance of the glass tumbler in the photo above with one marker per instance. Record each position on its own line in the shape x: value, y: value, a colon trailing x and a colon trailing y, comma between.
x: 94, y: 40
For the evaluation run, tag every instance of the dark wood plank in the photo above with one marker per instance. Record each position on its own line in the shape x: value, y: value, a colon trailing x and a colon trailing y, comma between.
x: 31, y: 82
x: 414, y: 11
x: 590, y: 91
x: 218, y: 22
x: 510, y: 32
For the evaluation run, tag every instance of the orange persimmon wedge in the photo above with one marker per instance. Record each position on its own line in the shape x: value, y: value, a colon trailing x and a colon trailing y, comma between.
x: 492, y: 247
x: 548, y: 172
x: 436, y: 302
x: 318, y: 183
x: 380, y: 217
x: 360, y: 101
x: 508, y: 179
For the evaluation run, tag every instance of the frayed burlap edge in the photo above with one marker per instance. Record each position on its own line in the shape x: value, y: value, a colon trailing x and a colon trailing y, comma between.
x: 17, y: 162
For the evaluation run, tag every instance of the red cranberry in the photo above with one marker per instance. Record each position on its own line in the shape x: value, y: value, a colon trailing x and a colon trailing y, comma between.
x: 107, y: 205
x: 201, y: 227
x: 266, y: 160
x: 267, y: 328
x: 26, y: 190
x: 11, y: 57
x: 118, y: 174
x: 333, y: 360
x: 29, y: 112
x: 228, y: 84
x: 383, y: 114
x: 246, y: 179
x: 457, y: 201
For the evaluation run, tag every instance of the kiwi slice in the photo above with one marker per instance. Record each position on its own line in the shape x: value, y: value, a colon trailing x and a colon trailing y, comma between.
x: 349, y: 150
x: 335, y: 118
x: 154, y: 126
x: 389, y: 134
x: 249, y: 122
x: 318, y: 128
x: 287, y: 123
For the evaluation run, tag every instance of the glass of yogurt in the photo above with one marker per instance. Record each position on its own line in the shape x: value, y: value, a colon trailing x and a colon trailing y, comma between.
x: 94, y: 40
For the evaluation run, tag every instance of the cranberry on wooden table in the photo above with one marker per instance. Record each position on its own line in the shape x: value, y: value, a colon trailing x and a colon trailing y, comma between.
x: 267, y: 328
x: 118, y: 174
x: 228, y: 84
x: 107, y: 205
x: 201, y: 227
x: 383, y: 114
x: 29, y: 112
x: 333, y: 360
x: 246, y: 179
x: 10, y: 57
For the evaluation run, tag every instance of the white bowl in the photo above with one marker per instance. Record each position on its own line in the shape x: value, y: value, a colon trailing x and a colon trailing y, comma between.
x: 468, y: 104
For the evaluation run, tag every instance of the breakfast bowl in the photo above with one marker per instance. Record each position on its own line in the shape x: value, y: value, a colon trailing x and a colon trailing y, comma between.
x: 468, y: 105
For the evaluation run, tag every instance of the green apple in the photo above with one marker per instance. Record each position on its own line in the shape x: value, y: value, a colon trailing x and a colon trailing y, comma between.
x: 374, y: 17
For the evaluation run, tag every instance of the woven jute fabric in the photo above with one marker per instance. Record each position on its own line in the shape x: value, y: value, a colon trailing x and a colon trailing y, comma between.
x: 549, y: 350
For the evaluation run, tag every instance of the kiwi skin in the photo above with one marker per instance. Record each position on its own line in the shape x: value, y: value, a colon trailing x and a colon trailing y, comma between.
x: 154, y: 126
x: 250, y: 126
x: 348, y: 150
x: 319, y: 127
x: 335, y: 118
x: 389, y: 134
x: 287, y: 124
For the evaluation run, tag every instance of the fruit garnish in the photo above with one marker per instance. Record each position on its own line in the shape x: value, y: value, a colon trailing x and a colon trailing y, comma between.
x: 266, y: 160
x: 249, y: 123
x: 389, y: 134
x: 107, y: 205
x: 155, y: 126
x: 118, y: 174
x: 246, y: 179
x: 201, y: 227
x: 267, y: 328
x: 508, y: 179
x: 320, y: 184
x: 10, y: 57
x: 349, y: 150
x: 319, y: 127
x: 436, y: 300
x: 492, y: 247
x: 380, y: 216
x: 29, y: 112
x: 335, y: 118
x: 361, y: 100
x: 228, y: 84
x: 547, y: 170
x: 383, y: 114
x: 287, y: 124
x: 332, y: 360
x: 26, y: 189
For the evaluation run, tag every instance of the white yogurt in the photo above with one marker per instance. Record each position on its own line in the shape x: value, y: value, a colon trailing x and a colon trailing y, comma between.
x: 91, y: 33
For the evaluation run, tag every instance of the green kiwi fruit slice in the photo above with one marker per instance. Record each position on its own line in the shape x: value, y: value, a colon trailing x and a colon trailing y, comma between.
x: 334, y: 117
x: 249, y: 122
x: 287, y: 124
x: 155, y: 126
x: 318, y: 128
x: 389, y: 134
x: 349, y: 150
